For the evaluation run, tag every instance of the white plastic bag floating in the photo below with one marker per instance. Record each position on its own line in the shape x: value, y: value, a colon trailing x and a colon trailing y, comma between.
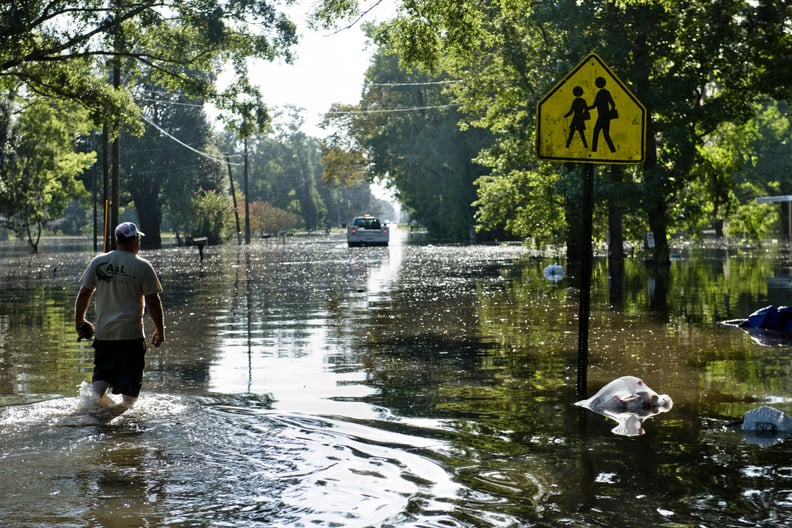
x: 630, y: 402
x: 767, y: 420
x: 766, y: 426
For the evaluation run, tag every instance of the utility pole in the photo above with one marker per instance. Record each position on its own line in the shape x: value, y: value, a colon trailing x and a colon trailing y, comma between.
x: 116, y: 161
x: 234, y: 200
x: 247, y: 201
x: 105, y: 185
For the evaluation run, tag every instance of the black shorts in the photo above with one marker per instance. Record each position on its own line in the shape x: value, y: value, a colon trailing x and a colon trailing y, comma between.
x: 120, y: 363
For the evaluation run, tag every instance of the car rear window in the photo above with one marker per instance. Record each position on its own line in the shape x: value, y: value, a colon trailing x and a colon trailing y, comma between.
x: 368, y: 223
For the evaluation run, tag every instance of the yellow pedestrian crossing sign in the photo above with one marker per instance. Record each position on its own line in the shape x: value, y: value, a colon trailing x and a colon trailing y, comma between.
x: 591, y: 117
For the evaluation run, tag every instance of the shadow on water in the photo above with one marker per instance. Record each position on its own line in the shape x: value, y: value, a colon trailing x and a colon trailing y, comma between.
x: 310, y: 384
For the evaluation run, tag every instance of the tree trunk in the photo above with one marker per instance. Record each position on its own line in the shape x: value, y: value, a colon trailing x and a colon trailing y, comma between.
x: 655, y: 196
x: 149, y: 213
x: 658, y: 224
x: 654, y: 191
x: 659, y: 284
x: 718, y: 227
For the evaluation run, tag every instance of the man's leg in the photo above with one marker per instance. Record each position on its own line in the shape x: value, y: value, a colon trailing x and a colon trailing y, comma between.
x: 129, y: 400
x: 100, y: 387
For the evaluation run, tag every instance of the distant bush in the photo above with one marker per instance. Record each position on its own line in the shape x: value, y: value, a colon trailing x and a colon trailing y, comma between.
x: 266, y: 218
x: 213, y: 216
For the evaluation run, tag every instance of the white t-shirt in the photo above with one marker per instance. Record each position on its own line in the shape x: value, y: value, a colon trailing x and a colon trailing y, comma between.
x: 121, y: 280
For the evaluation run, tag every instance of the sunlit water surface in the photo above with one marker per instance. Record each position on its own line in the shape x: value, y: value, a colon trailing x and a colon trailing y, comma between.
x: 304, y: 383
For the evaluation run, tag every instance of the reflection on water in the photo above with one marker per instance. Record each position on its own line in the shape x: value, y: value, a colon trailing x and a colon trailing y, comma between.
x: 309, y: 384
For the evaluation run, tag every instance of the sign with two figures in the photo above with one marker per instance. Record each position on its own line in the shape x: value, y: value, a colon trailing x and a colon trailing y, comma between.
x: 591, y: 117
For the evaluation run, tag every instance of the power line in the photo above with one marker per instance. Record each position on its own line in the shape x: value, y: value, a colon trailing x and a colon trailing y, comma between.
x: 185, y: 145
x: 167, y: 170
x: 166, y: 101
x: 427, y: 83
x: 394, y: 110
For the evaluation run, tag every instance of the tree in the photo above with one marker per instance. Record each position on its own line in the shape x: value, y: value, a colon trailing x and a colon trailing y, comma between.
x: 246, y: 117
x: 405, y: 130
x: 213, y: 216
x: 765, y: 164
x: 41, y: 165
x: 267, y: 219
x: 284, y: 169
x: 65, y: 49
x: 174, y: 158
x: 299, y: 156
x: 694, y: 65
x: 56, y: 46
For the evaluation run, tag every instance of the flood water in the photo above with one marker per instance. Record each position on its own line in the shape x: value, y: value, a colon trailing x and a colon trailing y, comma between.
x: 304, y: 383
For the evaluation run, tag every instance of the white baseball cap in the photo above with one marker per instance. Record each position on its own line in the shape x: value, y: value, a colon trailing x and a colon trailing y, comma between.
x: 128, y: 230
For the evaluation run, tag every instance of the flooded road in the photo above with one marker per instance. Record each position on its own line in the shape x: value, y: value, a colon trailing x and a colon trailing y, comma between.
x: 304, y: 383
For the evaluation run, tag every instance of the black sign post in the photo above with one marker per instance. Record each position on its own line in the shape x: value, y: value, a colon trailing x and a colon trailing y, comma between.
x: 590, y: 97
x: 584, y: 308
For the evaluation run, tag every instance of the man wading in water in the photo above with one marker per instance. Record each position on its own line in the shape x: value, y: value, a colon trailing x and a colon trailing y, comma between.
x: 122, y: 281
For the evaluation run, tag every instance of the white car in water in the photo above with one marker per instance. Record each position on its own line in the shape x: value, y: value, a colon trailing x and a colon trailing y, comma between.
x: 367, y: 230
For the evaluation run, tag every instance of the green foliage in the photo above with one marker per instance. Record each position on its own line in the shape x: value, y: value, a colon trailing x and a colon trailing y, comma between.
x: 699, y: 68
x: 710, y: 197
x: 752, y: 220
x: 41, y: 166
x: 65, y: 50
x: 285, y: 170
x: 344, y: 159
x: 243, y: 110
x: 737, y: 164
x: 765, y: 172
x: 299, y: 155
x: 57, y: 48
x: 214, y: 216
x: 406, y: 130
x: 176, y: 156
x: 512, y: 200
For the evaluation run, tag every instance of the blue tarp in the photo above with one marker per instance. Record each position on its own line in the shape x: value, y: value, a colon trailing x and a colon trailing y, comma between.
x: 771, y: 318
